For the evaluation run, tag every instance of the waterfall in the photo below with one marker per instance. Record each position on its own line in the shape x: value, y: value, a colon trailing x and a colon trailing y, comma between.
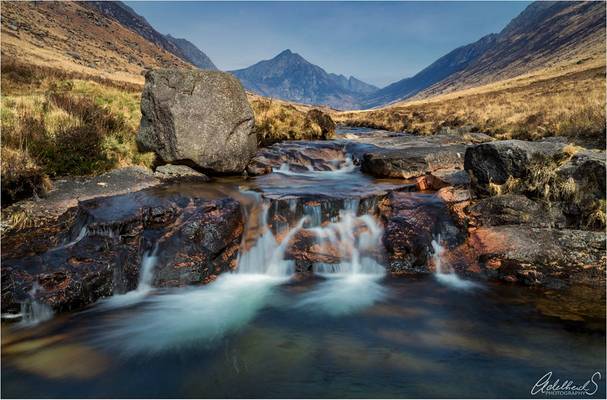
x: 32, y: 312
x: 353, y: 283
x: 267, y: 255
x: 144, y: 286
x: 338, y: 169
x: 444, y: 273
x: 199, y: 316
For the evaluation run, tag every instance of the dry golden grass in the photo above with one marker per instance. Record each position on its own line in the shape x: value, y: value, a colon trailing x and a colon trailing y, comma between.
x: 277, y: 120
x: 537, y: 105
x: 54, y: 125
x: 74, y: 37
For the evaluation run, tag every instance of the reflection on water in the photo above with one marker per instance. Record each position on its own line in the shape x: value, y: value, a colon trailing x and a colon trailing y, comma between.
x: 190, y: 317
x: 259, y: 343
x: 343, y: 294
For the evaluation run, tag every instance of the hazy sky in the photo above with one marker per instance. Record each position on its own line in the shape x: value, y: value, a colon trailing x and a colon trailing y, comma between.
x: 378, y: 42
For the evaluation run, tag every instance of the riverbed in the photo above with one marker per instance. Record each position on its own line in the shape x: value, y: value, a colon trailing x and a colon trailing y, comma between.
x: 274, y: 328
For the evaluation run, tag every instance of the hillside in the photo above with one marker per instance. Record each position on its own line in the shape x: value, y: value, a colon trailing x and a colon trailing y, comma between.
x: 192, y: 53
x: 103, y: 39
x: 289, y: 76
x: 453, y: 62
x: 545, y: 35
x: 130, y: 19
x: 76, y: 37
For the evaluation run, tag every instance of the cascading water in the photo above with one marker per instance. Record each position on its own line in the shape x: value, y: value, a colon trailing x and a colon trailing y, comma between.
x: 339, y: 168
x: 202, y: 315
x: 443, y: 273
x: 146, y: 276
x: 353, y: 283
x: 32, y: 312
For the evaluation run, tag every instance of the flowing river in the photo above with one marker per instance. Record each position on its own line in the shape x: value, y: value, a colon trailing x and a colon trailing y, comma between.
x: 343, y: 329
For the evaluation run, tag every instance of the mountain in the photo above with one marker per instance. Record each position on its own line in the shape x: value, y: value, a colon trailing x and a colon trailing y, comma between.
x: 192, y: 53
x: 78, y: 37
x: 106, y: 39
x: 453, y: 62
x: 130, y: 19
x: 289, y: 76
x: 544, y: 35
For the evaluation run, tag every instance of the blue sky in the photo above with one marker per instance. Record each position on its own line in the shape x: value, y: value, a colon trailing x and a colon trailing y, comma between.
x: 378, y: 42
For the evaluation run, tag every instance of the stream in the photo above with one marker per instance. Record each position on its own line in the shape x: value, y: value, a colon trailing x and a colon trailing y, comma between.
x: 341, y: 329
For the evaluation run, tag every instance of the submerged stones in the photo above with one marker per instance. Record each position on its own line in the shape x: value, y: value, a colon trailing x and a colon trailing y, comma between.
x: 197, y: 117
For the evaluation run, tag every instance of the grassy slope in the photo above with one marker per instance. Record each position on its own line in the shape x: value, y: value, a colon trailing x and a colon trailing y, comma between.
x: 56, y: 123
x: 568, y: 101
x: 76, y: 38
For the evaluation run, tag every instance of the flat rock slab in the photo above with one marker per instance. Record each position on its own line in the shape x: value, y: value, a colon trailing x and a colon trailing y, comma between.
x: 534, y: 256
x: 68, y: 192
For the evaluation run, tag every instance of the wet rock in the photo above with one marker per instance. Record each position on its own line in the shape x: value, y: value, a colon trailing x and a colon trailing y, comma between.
x: 198, y: 117
x: 411, y: 222
x: 412, y: 162
x: 101, y: 254
x: 536, y: 256
x: 512, y: 209
x: 495, y: 162
x: 171, y: 172
x: 205, y: 243
x: 300, y: 156
x: 441, y: 178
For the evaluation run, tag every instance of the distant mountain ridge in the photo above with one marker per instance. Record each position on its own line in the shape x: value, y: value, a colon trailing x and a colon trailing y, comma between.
x: 455, y: 61
x: 181, y: 48
x: 543, y: 35
x: 192, y: 53
x: 289, y: 76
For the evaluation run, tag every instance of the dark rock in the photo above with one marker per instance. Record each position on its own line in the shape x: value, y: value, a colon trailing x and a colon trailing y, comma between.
x: 101, y: 253
x: 581, y: 186
x: 322, y: 156
x: 327, y: 126
x: 512, y: 209
x: 495, y: 162
x: 412, y: 162
x: 198, y: 117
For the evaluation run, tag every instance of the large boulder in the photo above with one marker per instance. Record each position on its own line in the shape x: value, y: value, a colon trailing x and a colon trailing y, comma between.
x: 495, y: 162
x: 199, y: 118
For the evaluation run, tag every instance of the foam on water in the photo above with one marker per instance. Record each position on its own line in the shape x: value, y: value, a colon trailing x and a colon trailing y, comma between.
x: 443, y: 273
x: 340, y: 168
x: 353, y: 284
x: 144, y: 287
x: 32, y: 312
x: 201, y: 315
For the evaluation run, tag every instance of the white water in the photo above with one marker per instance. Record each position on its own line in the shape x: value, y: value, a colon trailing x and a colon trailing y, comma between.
x: 443, y: 273
x: 32, y: 313
x: 202, y: 315
x: 144, y: 287
x: 81, y: 235
x: 353, y: 284
x: 342, y: 167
